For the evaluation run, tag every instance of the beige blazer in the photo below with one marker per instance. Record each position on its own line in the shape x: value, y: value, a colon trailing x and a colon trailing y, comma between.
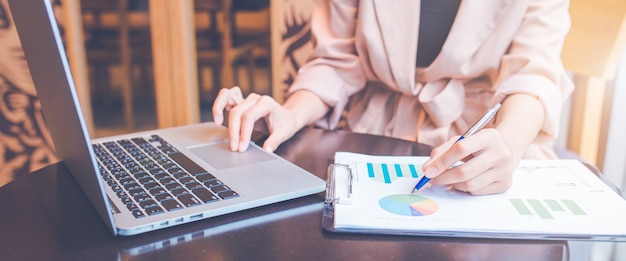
x: 364, y: 61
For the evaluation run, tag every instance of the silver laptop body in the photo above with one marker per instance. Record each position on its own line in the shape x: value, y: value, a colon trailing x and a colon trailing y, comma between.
x: 249, y: 179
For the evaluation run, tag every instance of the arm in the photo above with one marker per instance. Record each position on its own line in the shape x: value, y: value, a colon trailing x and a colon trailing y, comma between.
x: 532, y: 87
x: 320, y: 85
x: 519, y: 122
x: 334, y: 70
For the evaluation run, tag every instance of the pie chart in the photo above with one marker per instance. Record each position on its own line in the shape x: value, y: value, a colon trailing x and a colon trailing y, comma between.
x: 408, y: 205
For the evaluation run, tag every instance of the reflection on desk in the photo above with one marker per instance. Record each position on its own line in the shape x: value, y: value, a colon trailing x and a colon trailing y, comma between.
x: 46, y: 216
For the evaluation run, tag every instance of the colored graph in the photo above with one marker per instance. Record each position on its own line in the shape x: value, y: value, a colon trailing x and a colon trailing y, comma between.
x: 408, y: 205
x: 547, y: 208
x: 387, y: 173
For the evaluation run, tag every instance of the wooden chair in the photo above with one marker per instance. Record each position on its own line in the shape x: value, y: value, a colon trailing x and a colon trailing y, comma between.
x: 592, y: 52
x: 117, y: 43
x: 223, y: 45
x: 291, y: 42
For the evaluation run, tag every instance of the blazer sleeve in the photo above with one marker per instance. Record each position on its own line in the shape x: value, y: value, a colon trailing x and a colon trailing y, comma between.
x: 334, y: 71
x: 533, y: 64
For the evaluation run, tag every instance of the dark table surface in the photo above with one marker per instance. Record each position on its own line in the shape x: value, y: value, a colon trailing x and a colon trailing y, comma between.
x: 45, y: 216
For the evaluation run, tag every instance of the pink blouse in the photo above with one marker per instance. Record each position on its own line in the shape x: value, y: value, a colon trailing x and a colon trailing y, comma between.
x: 363, y: 67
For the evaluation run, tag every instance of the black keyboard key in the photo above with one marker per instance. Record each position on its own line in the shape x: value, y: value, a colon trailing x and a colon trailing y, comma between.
x: 194, y: 185
x: 179, y: 191
x: 131, y: 165
x: 154, y: 210
x: 168, y: 165
x: 132, y: 206
x: 147, y: 203
x: 141, y: 174
x: 162, y: 160
x: 131, y: 185
x: 145, y: 180
x: 218, y: 189
x: 228, y: 194
x: 174, y: 170
x: 121, y: 194
x: 126, y: 200
x: 151, y: 185
x: 188, y: 200
x: 126, y: 180
x: 205, y: 177
x: 157, y: 191
x: 138, y: 214
x: 146, y: 163
x: 117, y: 171
x: 124, y: 142
x: 168, y: 150
x: 171, y: 204
x: 156, y: 171
x: 139, y: 141
x: 163, y: 196
x: 153, y: 153
x: 186, y: 180
x: 142, y: 197
x: 161, y: 175
x: 180, y: 175
x: 124, y: 159
x: 186, y: 163
x: 213, y: 183
x: 116, y: 187
x: 141, y: 158
x: 135, y: 170
x: 135, y: 192
x: 173, y: 186
x: 167, y: 181
x: 204, y: 195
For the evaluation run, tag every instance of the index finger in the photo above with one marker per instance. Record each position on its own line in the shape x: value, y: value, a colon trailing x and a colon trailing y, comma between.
x: 226, y: 99
x: 444, y: 157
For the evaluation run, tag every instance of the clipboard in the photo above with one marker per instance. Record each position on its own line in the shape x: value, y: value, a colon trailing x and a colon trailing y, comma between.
x: 331, y: 198
x: 539, y: 215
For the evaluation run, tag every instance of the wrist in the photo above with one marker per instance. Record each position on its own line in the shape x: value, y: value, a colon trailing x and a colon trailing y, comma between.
x: 305, y: 107
x: 519, y: 122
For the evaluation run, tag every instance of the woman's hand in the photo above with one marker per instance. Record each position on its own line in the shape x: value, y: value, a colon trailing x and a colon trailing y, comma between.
x: 244, y: 113
x: 490, y: 155
x: 487, y: 168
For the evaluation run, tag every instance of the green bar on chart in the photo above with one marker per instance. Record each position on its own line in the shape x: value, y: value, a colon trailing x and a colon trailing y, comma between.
x: 540, y: 209
x: 554, y: 205
x: 572, y: 206
x: 519, y: 205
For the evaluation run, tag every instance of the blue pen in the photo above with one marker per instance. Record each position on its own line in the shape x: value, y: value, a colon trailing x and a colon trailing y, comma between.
x: 476, y: 127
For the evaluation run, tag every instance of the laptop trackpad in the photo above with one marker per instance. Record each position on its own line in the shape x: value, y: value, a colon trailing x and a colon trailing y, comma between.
x: 220, y: 156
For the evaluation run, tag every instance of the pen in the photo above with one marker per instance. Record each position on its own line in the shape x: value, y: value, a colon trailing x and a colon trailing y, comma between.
x: 476, y: 127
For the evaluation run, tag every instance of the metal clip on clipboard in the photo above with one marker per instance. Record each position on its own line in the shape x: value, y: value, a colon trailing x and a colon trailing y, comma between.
x: 333, y: 194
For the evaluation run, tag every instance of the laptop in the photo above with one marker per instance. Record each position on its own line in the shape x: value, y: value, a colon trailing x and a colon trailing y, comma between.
x: 148, y: 180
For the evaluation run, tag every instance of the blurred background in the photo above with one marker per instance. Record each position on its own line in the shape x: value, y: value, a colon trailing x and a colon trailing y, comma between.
x: 143, y: 64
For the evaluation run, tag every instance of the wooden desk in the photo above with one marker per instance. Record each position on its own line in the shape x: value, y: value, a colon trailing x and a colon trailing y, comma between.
x: 45, y: 216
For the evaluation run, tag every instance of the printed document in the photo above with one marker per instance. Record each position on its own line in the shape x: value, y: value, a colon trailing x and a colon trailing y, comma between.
x: 548, y: 199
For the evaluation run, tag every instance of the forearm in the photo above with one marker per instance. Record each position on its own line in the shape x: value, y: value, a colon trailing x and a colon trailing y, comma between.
x: 519, y: 121
x: 306, y: 107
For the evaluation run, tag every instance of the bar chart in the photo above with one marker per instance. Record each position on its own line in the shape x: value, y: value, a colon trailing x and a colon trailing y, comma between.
x: 387, y: 173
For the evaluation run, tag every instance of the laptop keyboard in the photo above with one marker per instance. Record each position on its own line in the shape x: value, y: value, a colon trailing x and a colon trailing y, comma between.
x: 152, y: 177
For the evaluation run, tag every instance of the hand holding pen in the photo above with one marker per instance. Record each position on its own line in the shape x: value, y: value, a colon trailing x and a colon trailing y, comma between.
x: 475, y: 127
